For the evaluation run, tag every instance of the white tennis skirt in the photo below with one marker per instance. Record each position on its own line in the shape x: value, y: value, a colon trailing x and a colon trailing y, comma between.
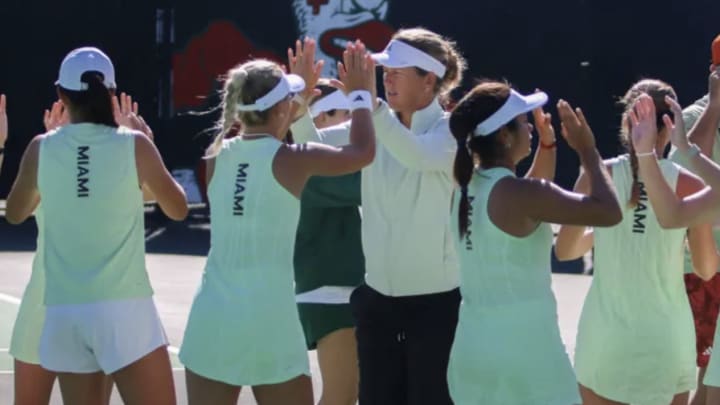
x: 100, y: 336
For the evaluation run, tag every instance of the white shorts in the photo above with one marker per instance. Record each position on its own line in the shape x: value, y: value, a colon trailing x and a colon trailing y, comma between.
x: 100, y: 336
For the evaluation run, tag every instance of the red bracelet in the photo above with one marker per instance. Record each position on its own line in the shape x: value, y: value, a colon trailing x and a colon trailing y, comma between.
x: 551, y: 146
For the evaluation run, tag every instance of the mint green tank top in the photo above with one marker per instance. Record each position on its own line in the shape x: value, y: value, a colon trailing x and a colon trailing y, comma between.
x: 507, y: 348
x: 498, y: 269
x: 638, y: 265
x: 253, y: 222
x: 94, y: 244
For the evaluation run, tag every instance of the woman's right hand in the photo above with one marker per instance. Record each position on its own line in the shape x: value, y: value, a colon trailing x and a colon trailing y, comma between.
x: 127, y: 114
x: 357, y: 71
x: 643, y: 124
x: 543, y: 125
x: 302, y: 63
x: 575, y: 129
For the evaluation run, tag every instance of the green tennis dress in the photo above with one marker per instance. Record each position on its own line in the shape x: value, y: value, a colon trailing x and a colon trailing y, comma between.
x: 243, y: 327
x: 636, y: 337
x: 507, y: 348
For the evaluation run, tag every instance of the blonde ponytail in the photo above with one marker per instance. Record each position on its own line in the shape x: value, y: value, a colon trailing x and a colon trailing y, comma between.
x: 244, y: 84
x: 232, y: 94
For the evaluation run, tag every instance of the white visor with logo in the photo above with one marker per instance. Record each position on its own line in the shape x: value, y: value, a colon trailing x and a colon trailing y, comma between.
x: 288, y: 84
x: 515, y: 105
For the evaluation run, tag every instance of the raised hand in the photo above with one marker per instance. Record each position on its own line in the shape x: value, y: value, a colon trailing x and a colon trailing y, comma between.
x: 359, y: 53
x: 56, y: 117
x: 126, y: 114
x: 3, y: 121
x: 678, y: 137
x: 574, y: 128
x: 357, y: 71
x: 302, y: 63
x: 643, y: 124
x: 543, y: 124
x: 123, y: 109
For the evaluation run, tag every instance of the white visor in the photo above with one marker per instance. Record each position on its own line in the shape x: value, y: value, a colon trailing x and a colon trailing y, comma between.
x: 81, y: 60
x: 288, y: 84
x: 336, y: 100
x: 398, y: 54
x: 515, y: 105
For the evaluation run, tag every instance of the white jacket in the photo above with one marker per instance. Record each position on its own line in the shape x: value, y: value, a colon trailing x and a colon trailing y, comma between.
x: 406, y: 199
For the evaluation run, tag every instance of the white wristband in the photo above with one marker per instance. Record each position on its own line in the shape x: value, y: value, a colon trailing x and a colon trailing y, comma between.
x: 646, y: 154
x: 360, y: 99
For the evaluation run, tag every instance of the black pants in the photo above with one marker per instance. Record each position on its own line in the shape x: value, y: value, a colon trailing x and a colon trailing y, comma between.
x: 404, y: 346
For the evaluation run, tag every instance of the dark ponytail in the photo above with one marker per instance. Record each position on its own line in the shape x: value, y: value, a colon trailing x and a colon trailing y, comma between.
x: 93, y: 105
x: 479, y: 104
x: 635, y: 190
x: 462, y: 170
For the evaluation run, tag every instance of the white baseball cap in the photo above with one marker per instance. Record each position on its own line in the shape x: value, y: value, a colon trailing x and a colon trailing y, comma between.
x: 515, y: 105
x: 337, y: 100
x: 399, y: 54
x: 289, y: 83
x: 81, y: 60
